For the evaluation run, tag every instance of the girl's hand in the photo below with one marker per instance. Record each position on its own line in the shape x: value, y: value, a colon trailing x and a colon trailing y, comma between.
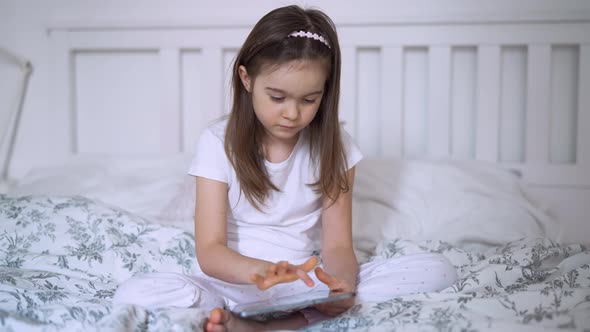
x: 283, y: 272
x: 336, y: 286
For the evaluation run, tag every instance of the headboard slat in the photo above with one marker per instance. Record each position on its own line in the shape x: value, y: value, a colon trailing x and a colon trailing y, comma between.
x: 463, y: 101
x: 348, y: 89
x: 213, y: 73
x: 391, y: 101
x: 564, y: 104
x: 415, y: 102
x: 368, y: 109
x: 190, y: 95
x: 538, y: 103
x: 170, y: 114
x: 488, y: 105
x: 513, y: 85
x: 439, y: 119
x: 583, y: 147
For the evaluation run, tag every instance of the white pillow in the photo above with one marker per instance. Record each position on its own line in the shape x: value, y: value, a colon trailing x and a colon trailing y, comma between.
x: 462, y: 203
x: 155, y: 188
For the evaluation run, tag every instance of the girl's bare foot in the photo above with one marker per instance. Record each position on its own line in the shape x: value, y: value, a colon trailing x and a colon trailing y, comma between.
x: 224, y: 321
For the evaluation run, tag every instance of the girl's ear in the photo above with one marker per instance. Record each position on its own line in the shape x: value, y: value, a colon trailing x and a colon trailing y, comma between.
x: 245, y: 78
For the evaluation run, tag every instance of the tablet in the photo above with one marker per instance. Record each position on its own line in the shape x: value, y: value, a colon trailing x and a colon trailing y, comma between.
x: 288, y: 303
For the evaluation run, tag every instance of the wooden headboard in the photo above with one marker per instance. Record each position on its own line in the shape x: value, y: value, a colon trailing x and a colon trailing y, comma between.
x: 512, y: 93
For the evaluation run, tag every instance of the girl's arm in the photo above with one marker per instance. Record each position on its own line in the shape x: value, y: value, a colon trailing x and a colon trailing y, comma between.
x: 337, y: 251
x: 217, y: 260
x: 337, y: 248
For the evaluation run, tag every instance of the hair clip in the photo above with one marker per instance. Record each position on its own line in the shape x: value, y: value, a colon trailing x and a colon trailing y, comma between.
x: 311, y: 35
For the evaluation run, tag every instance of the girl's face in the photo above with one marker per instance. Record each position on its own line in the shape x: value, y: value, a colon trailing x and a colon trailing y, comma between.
x: 287, y: 98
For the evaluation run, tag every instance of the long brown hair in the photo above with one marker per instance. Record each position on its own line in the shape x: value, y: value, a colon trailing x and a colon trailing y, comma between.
x: 268, y: 44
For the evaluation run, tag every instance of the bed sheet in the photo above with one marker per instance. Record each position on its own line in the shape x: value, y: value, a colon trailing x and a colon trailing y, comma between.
x: 62, y: 258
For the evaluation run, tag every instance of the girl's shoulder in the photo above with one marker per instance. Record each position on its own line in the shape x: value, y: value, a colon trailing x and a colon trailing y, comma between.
x: 351, y: 149
x: 217, y: 129
x: 346, y: 137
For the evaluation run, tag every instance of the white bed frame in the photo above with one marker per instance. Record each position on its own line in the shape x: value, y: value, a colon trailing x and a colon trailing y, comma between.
x: 511, y: 91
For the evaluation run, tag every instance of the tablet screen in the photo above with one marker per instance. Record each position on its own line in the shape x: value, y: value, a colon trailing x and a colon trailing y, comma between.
x: 288, y: 303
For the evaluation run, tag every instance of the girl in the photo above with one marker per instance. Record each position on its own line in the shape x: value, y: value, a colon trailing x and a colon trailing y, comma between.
x: 274, y: 190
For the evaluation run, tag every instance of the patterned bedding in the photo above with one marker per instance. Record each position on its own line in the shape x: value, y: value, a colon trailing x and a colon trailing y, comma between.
x: 61, y: 259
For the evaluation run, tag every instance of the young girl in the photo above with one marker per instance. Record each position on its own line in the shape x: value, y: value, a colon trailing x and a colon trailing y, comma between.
x: 274, y: 191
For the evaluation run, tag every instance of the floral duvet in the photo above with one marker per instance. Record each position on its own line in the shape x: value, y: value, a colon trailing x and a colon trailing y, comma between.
x: 61, y: 259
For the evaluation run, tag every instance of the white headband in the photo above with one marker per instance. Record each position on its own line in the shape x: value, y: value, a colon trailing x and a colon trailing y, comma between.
x: 311, y: 35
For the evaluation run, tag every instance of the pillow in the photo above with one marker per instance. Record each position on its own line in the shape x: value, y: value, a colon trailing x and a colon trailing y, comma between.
x: 467, y: 204
x: 155, y: 188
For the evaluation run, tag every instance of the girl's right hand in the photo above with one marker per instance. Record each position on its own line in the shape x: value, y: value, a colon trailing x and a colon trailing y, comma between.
x: 283, y: 272
x: 336, y: 286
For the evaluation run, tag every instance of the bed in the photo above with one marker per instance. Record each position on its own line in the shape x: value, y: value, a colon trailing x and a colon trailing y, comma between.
x: 473, y: 131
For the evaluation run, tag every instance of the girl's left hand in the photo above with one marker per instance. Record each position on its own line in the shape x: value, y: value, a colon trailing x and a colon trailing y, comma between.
x: 283, y: 272
x: 336, y: 286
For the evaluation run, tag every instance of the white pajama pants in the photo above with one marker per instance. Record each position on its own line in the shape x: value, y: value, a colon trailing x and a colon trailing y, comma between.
x: 378, y: 281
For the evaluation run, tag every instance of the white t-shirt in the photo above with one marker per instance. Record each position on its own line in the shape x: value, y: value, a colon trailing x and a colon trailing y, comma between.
x: 289, y: 227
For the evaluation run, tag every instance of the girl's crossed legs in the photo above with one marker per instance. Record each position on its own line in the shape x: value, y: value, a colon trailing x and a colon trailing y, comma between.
x: 379, y: 280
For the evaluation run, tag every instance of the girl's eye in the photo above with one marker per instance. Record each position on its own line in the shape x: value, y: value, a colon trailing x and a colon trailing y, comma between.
x: 277, y: 99
x: 309, y: 101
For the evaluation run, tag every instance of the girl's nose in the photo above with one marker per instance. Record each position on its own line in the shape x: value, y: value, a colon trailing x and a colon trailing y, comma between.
x: 291, y: 112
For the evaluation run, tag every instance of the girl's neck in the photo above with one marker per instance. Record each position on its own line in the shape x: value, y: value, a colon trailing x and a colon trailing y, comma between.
x: 277, y: 151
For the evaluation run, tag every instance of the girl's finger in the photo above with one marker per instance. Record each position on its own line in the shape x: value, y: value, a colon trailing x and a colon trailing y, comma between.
x: 254, y: 277
x: 258, y: 280
x: 271, y: 270
x: 325, y: 277
x: 282, y: 268
x: 310, y: 264
x: 268, y: 282
x: 305, y: 277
